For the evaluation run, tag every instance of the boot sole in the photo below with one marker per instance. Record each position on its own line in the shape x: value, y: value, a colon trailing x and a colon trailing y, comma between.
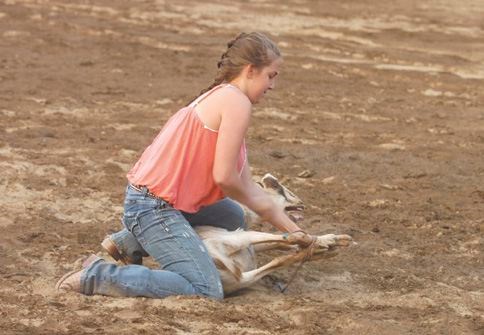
x: 112, y: 250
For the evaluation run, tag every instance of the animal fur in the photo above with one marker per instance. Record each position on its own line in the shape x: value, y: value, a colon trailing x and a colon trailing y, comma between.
x: 234, y: 252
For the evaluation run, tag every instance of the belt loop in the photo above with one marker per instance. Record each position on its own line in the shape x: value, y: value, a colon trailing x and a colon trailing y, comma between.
x: 144, y: 191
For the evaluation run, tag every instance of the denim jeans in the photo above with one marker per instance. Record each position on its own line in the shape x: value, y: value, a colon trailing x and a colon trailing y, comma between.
x: 225, y: 213
x: 154, y: 227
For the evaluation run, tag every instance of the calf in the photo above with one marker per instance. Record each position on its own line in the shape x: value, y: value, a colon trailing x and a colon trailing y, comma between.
x: 234, y: 251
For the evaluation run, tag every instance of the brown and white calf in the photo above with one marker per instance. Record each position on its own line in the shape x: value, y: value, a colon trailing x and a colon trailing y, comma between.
x: 234, y: 252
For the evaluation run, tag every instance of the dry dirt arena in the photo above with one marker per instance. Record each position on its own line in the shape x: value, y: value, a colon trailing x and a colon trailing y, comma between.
x: 377, y: 123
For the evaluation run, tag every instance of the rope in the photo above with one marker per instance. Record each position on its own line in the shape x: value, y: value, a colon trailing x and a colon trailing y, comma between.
x: 309, y: 253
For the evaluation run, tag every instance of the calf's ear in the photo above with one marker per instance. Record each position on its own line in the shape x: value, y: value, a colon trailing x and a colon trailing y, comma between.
x: 269, y: 181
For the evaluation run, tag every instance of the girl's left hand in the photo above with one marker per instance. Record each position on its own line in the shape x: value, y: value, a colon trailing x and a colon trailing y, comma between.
x: 301, y: 238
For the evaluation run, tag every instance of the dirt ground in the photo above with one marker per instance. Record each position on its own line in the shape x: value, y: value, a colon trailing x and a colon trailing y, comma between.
x: 382, y: 103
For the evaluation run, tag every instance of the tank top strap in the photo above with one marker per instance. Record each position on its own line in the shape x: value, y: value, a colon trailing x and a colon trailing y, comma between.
x: 195, y: 102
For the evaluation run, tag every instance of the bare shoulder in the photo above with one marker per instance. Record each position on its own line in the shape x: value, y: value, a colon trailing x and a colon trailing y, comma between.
x: 229, y: 99
x: 226, y: 103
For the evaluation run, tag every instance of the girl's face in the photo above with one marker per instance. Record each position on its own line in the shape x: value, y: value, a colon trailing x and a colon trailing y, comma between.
x: 262, y: 80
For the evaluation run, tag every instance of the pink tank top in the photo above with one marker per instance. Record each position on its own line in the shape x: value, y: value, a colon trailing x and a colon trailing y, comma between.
x: 178, y: 165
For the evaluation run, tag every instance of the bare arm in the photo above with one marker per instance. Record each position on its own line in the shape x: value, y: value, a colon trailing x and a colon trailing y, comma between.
x: 233, y: 128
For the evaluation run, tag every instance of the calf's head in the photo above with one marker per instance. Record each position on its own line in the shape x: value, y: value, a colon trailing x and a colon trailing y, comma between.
x: 291, y: 203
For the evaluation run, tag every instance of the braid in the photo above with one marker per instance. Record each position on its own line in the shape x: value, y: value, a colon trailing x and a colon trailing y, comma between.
x: 238, y: 37
x: 217, y: 81
x: 221, y: 75
x: 222, y: 59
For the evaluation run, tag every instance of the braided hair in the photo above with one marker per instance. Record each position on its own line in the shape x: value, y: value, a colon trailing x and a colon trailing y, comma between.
x: 247, y: 48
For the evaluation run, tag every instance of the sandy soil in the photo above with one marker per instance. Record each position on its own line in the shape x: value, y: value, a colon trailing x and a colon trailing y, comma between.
x: 383, y: 103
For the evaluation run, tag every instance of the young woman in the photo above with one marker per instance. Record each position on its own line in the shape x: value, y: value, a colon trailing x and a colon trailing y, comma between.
x: 188, y: 176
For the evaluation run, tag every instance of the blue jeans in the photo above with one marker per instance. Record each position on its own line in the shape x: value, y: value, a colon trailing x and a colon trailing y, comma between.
x: 164, y: 233
x: 225, y: 213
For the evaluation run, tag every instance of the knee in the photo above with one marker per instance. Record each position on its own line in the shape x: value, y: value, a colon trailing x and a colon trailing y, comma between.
x: 213, y: 294
x: 213, y: 291
x: 240, y: 223
x: 238, y: 218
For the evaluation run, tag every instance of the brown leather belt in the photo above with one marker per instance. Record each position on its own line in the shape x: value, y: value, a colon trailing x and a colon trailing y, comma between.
x: 140, y: 188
